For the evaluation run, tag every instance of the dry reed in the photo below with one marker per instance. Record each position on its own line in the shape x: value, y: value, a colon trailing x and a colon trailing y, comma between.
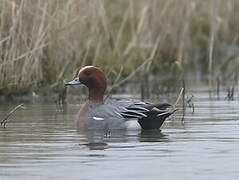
x: 42, y: 42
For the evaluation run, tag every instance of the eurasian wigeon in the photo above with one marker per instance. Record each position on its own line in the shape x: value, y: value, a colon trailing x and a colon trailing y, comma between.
x: 99, y: 114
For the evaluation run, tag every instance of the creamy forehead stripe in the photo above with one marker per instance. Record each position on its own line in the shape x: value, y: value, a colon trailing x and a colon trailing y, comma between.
x: 86, y: 67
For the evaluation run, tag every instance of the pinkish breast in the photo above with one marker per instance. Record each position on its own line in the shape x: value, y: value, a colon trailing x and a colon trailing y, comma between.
x: 81, y: 120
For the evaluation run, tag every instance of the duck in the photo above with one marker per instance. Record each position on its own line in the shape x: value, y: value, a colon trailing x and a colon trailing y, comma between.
x: 98, y: 113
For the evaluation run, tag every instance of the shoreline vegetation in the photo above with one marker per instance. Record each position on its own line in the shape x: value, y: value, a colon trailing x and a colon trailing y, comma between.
x: 43, y: 43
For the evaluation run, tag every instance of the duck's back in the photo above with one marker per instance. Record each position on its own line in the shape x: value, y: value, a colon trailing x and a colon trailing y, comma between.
x: 114, y: 114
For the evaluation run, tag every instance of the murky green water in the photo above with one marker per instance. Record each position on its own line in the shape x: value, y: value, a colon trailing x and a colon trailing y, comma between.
x: 39, y: 143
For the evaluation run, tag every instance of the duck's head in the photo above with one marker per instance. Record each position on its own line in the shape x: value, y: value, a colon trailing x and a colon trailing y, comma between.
x: 93, y: 78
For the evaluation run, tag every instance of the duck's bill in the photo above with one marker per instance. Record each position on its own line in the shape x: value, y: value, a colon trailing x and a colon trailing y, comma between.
x: 75, y: 81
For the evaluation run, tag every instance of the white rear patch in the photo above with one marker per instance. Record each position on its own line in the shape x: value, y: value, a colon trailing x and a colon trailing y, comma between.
x: 132, y: 125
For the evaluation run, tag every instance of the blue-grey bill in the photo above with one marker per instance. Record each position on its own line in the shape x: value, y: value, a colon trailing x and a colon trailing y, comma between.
x: 75, y: 81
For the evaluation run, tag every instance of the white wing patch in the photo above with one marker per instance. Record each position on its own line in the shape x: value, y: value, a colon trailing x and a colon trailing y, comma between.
x: 98, y: 118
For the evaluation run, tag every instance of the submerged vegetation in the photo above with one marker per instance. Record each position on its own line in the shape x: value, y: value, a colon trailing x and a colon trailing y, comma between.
x: 43, y: 42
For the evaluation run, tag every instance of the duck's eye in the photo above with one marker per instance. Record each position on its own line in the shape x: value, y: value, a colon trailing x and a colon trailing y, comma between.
x: 87, y: 73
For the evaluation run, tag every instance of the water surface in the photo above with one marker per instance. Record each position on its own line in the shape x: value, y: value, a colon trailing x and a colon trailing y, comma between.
x: 40, y: 143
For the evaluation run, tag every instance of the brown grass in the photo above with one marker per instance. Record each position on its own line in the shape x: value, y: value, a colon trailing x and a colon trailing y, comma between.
x: 42, y: 42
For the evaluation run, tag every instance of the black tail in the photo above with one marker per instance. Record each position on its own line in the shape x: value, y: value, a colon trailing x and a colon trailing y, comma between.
x: 156, y: 115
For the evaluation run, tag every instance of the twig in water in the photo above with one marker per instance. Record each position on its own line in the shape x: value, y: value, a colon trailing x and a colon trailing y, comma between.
x: 234, y: 83
x: 218, y: 88
x: 230, y: 91
x: 108, y: 133
x: 61, y: 100
x: 229, y: 94
x: 5, y: 119
x: 190, y: 103
x: 179, y: 96
x: 184, y: 107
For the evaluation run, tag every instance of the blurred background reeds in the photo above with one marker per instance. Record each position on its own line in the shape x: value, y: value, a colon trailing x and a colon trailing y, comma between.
x: 44, y: 42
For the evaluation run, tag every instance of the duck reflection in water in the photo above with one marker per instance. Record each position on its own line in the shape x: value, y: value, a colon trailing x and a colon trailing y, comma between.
x: 100, y: 139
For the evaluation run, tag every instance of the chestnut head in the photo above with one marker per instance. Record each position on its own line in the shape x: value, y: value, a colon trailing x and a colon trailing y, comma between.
x: 90, y: 76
